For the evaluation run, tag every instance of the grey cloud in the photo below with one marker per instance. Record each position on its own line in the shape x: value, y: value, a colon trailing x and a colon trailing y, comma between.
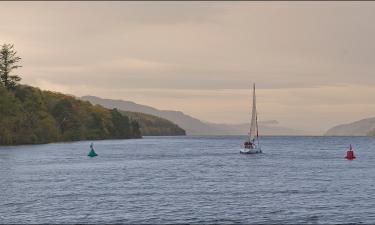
x: 204, y: 46
x: 281, y: 45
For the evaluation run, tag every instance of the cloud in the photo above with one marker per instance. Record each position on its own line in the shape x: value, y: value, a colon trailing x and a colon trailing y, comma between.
x: 276, y: 45
x: 312, y: 61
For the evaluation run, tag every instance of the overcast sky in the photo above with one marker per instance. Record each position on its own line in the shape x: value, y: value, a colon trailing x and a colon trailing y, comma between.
x: 313, y: 62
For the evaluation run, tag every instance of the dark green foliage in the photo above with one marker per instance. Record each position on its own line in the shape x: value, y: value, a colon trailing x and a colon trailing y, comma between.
x: 135, y: 128
x: 371, y: 133
x: 154, y: 126
x: 30, y: 116
x: 122, y: 125
x: 8, y: 63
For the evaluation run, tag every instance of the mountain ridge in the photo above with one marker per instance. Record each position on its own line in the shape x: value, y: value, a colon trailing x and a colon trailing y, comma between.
x: 194, y: 126
x: 363, y: 127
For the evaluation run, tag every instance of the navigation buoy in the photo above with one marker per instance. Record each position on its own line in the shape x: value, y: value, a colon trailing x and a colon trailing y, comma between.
x: 92, y: 153
x: 350, y: 154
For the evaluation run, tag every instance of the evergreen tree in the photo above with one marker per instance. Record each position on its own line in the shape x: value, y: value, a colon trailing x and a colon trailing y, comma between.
x: 136, y: 132
x: 121, y: 124
x: 8, y: 63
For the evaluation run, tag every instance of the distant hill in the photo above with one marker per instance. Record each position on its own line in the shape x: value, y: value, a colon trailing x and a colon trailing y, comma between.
x: 362, y: 127
x: 265, y: 128
x: 189, y: 124
x: 194, y: 126
x: 154, y: 126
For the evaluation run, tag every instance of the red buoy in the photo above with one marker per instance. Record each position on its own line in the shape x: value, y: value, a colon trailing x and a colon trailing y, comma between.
x: 350, y: 154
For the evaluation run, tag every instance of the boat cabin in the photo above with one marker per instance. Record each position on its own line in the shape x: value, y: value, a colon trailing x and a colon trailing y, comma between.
x: 248, y: 144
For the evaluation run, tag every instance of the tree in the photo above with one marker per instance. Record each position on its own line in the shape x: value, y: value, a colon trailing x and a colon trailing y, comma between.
x: 8, y: 63
x: 136, y: 132
x: 121, y: 124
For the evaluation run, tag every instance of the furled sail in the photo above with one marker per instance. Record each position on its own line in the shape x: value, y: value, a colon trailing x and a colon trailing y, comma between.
x: 253, y: 122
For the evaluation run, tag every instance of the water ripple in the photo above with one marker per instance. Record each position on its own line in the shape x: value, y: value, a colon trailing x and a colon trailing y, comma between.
x: 199, y: 180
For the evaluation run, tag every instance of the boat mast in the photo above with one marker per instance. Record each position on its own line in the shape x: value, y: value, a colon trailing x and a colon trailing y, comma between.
x: 257, y: 128
x: 256, y: 119
x: 253, y: 123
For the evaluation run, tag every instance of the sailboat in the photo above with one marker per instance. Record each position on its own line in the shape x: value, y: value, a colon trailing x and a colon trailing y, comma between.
x: 252, y: 145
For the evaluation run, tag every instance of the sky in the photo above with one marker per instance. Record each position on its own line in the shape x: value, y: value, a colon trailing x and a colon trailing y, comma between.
x: 313, y: 62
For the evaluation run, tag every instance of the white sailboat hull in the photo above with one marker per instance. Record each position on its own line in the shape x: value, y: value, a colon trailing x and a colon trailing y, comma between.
x: 251, y: 150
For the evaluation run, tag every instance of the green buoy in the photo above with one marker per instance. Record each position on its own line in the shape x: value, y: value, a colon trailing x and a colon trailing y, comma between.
x: 92, y: 153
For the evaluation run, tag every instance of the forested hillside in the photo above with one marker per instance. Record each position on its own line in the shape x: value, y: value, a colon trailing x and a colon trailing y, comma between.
x: 31, y: 116
x: 154, y: 126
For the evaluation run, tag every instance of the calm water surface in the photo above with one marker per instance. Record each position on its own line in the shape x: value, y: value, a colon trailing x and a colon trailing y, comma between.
x: 189, y: 180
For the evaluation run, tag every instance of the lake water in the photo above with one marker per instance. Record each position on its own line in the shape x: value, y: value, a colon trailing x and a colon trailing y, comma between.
x: 189, y: 180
